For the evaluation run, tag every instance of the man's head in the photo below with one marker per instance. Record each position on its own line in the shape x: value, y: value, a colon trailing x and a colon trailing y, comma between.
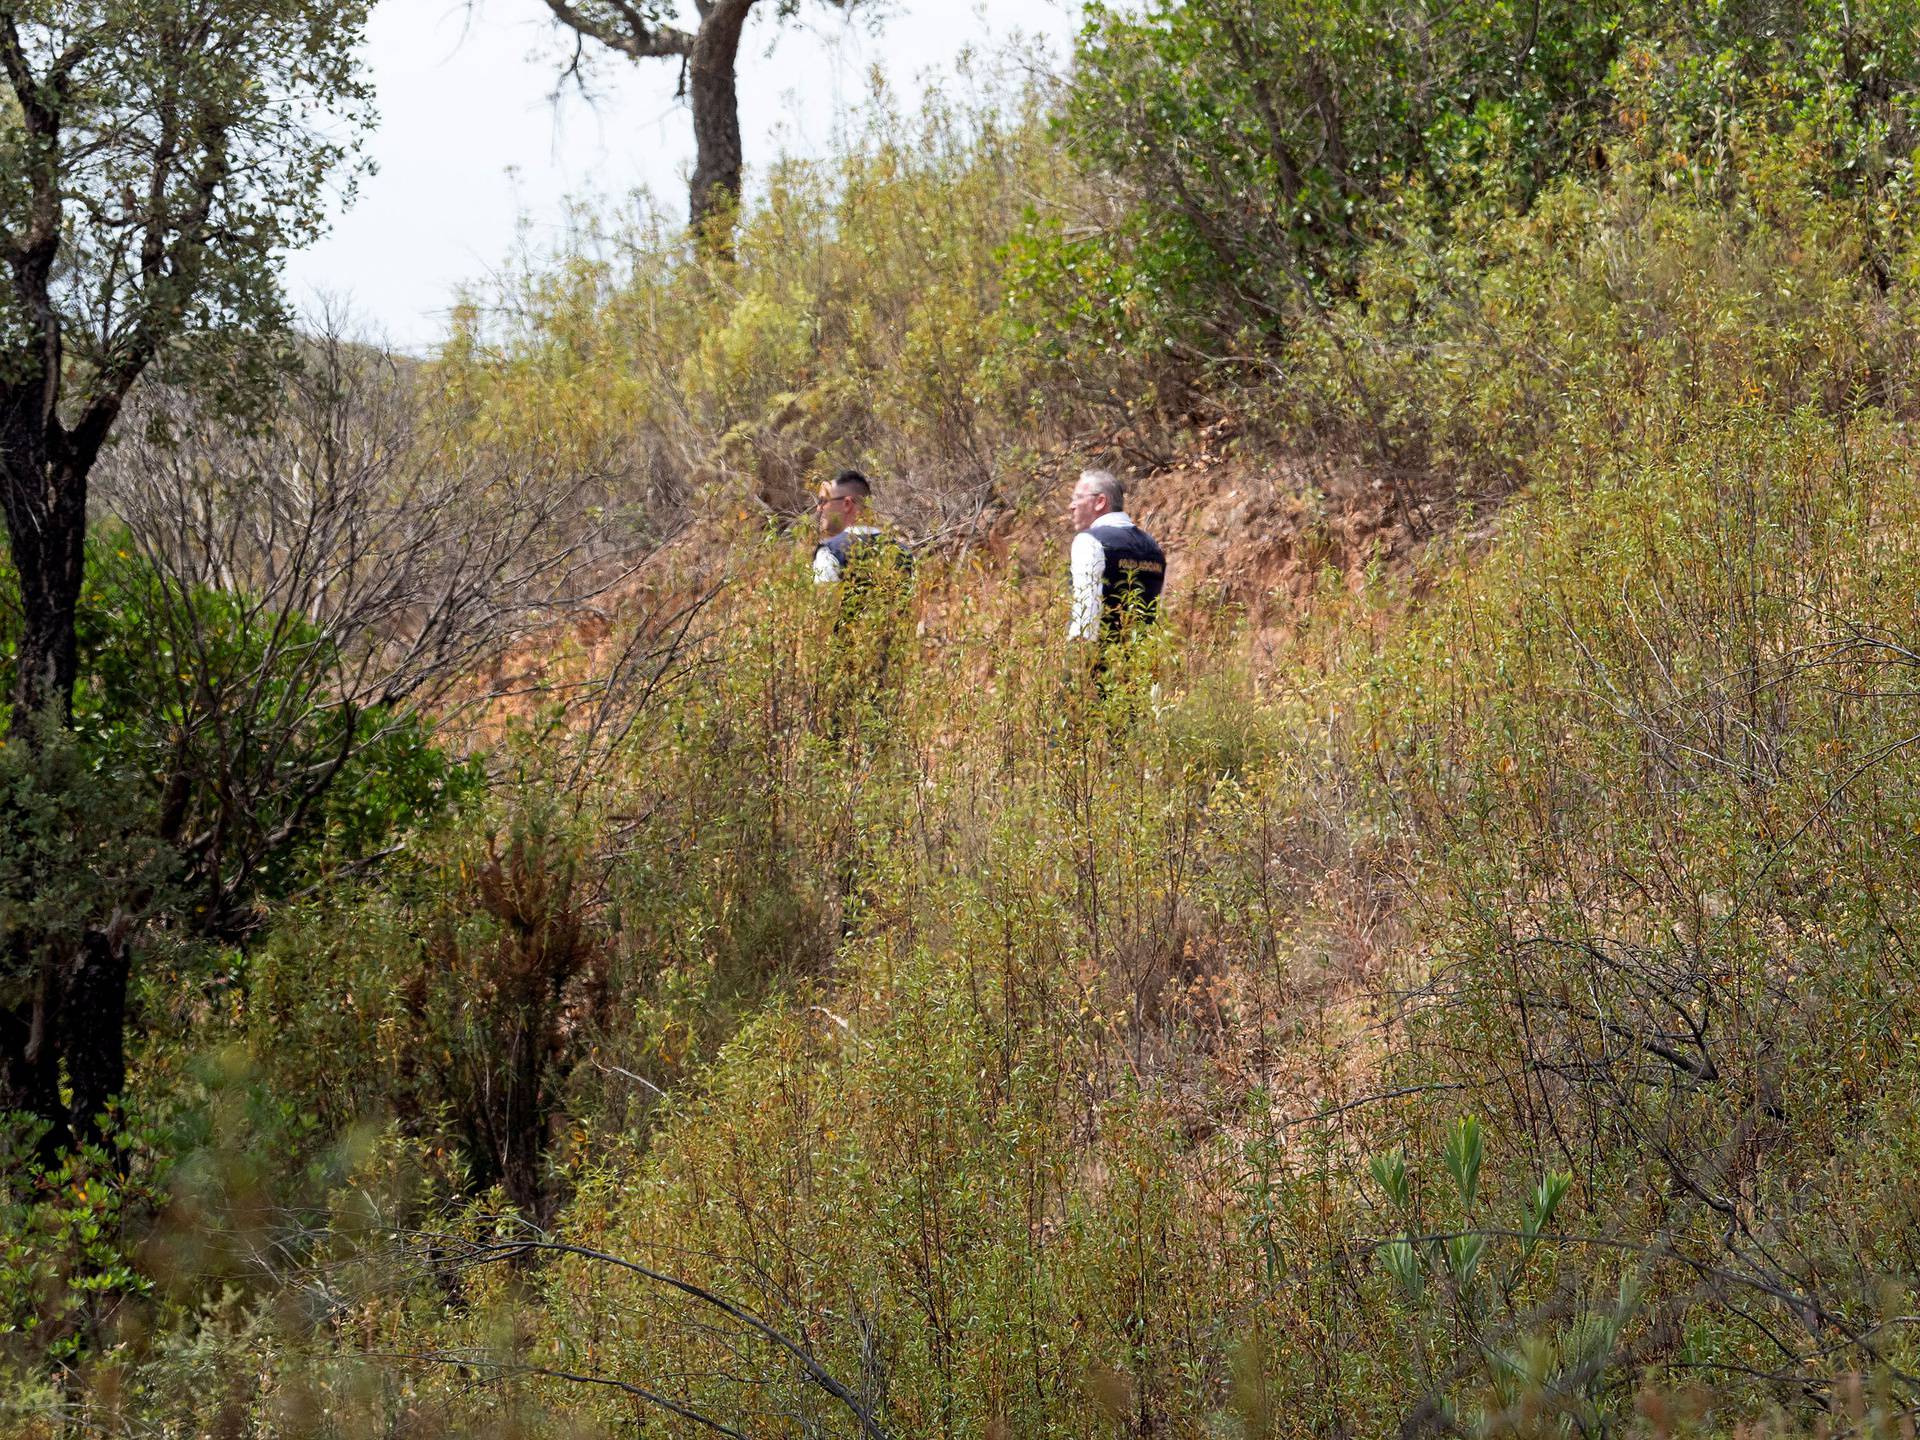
x: 842, y: 501
x: 1097, y: 493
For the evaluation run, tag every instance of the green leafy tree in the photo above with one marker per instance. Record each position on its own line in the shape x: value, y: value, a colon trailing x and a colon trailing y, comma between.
x: 258, y: 648
x: 158, y: 158
x: 1264, y: 133
x: 1267, y: 143
x: 157, y: 161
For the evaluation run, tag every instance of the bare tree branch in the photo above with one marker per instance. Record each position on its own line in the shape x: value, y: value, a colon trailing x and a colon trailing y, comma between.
x: 639, y: 1392
x: 473, y: 1253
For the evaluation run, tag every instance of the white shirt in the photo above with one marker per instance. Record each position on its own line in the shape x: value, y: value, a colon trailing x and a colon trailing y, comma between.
x: 1087, y: 562
x: 826, y: 569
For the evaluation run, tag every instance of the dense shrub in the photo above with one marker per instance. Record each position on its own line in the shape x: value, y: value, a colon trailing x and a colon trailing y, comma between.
x: 1268, y: 149
x: 1600, y: 847
x: 1270, y: 142
x: 230, y: 789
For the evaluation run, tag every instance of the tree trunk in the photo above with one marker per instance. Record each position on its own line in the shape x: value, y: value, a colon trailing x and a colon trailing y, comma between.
x: 45, y: 502
x: 93, y: 1029
x: 713, y: 92
x: 29, y: 1055
x: 65, y: 1007
x: 55, y: 1007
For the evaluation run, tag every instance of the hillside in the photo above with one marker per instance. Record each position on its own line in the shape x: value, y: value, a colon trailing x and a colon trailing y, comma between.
x: 1454, y: 974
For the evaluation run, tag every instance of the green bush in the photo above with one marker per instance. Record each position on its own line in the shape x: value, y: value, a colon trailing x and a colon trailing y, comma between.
x: 1267, y: 150
x: 205, y: 730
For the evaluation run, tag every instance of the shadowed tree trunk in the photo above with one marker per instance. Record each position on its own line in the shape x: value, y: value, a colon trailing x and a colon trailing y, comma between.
x: 93, y: 1026
x: 29, y: 1069
x: 60, y: 1005
x: 45, y: 505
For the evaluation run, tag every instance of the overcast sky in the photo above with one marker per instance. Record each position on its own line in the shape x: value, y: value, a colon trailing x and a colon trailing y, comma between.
x: 470, y: 145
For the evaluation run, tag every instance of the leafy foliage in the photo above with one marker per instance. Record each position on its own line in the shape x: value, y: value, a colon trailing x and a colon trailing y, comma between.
x: 1268, y: 144
x: 172, y: 151
x: 860, y: 322
x: 146, y: 765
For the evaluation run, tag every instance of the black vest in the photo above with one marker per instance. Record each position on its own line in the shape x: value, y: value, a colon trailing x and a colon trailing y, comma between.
x: 1136, y: 570
x: 865, y: 558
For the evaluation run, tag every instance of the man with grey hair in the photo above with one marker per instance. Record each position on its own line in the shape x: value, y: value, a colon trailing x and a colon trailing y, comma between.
x: 1116, y: 567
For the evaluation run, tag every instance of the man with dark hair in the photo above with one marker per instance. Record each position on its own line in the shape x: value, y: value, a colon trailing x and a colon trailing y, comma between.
x: 1117, y: 568
x: 846, y: 526
x: 853, y: 551
x: 874, y: 575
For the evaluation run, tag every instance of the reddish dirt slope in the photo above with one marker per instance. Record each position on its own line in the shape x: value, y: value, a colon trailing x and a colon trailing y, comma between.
x: 1249, y: 536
